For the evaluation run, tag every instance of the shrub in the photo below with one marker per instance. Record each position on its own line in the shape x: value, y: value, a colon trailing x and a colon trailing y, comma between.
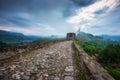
x: 111, y: 54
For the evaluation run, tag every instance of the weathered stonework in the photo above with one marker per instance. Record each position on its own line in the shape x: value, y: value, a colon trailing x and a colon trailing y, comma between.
x: 52, y: 62
x: 71, y: 36
x: 92, y: 69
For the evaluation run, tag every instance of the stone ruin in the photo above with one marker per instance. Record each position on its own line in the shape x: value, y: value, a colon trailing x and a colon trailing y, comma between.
x: 71, y: 36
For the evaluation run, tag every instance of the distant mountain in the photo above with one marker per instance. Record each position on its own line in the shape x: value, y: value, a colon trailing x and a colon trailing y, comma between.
x: 42, y: 40
x: 14, y: 37
x: 97, y: 39
x: 87, y: 36
x: 48, y: 39
x: 3, y: 45
x: 114, y: 38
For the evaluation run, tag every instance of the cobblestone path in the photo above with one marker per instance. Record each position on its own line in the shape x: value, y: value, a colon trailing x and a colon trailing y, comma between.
x: 49, y: 63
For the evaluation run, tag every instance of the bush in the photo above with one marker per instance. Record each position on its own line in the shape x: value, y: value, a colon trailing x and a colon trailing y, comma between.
x: 90, y: 47
x: 111, y: 54
x: 3, y: 45
x: 114, y: 72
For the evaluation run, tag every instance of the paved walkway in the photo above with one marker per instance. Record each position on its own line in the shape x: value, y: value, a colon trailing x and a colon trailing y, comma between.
x: 50, y: 63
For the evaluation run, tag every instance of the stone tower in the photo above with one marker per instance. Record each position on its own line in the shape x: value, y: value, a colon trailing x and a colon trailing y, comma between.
x: 71, y: 36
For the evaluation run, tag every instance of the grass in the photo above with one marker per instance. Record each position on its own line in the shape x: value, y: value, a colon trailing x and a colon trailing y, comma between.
x: 114, y: 72
x: 90, y: 48
x: 79, y: 74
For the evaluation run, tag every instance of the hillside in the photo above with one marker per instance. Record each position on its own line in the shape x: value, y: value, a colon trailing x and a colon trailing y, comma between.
x: 96, y: 39
x: 14, y: 37
x: 105, y: 49
x: 111, y: 37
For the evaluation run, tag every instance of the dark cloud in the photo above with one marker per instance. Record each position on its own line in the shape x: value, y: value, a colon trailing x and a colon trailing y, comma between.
x: 18, y: 21
x: 68, y: 12
x: 53, y: 13
x: 11, y: 5
x: 9, y: 10
x: 102, y: 10
x: 83, y: 3
x: 32, y: 4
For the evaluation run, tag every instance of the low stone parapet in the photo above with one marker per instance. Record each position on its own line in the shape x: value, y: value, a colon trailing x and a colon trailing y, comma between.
x: 13, y: 51
x: 92, y: 69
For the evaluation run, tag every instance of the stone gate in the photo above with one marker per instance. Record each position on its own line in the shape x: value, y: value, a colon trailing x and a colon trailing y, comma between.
x: 71, y: 36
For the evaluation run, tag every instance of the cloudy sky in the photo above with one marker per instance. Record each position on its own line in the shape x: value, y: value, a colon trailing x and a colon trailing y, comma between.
x: 57, y: 17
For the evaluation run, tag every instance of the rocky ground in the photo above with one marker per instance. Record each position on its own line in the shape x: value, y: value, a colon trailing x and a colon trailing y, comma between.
x: 50, y: 63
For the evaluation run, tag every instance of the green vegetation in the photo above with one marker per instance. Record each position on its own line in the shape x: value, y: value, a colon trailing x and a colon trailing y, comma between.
x: 114, y: 72
x: 3, y: 45
x: 43, y: 40
x: 80, y: 74
x: 90, y: 47
x: 15, y: 38
x: 109, y: 54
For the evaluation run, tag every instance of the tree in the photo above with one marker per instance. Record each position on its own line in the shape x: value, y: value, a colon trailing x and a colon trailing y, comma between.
x: 111, y: 54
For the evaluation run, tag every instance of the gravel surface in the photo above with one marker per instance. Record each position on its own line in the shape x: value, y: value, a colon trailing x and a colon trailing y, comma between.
x: 49, y: 63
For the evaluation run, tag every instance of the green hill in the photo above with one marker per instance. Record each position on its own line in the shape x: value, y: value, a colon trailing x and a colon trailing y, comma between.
x: 14, y: 37
x: 86, y: 37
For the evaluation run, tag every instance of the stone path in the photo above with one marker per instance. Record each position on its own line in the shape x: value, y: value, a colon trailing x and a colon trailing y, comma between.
x: 51, y: 63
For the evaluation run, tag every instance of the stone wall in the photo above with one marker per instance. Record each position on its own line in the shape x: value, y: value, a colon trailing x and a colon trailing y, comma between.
x: 71, y: 36
x: 13, y: 51
x: 92, y: 69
